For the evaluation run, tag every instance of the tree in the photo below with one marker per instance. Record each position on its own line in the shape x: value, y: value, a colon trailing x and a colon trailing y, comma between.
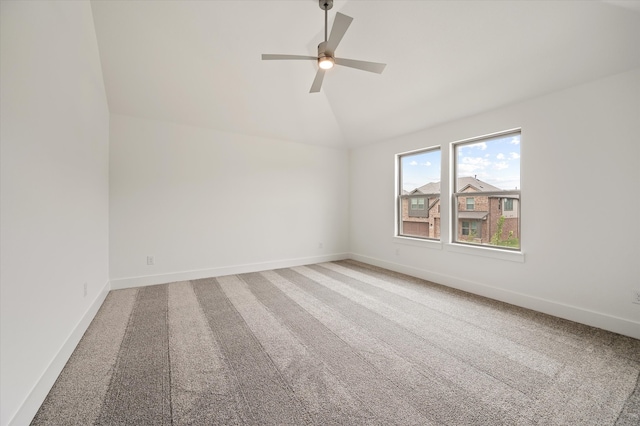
x: 497, y: 237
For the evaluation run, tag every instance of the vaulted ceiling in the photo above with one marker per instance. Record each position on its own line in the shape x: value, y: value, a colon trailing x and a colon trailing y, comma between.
x: 199, y: 62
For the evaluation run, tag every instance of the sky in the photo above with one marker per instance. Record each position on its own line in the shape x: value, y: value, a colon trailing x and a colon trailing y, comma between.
x: 420, y: 169
x: 494, y: 161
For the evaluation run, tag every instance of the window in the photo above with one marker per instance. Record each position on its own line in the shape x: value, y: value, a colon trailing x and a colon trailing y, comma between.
x: 417, y: 204
x: 470, y: 203
x: 418, y: 201
x: 508, y: 204
x: 489, y: 168
x: 469, y: 229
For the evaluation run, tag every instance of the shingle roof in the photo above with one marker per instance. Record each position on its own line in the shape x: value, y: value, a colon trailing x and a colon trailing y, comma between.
x: 463, y: 182
x: 430, y: 188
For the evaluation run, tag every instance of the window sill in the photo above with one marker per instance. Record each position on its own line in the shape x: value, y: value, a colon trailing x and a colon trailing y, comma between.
x: 513, y: 256
x: 418, y: 242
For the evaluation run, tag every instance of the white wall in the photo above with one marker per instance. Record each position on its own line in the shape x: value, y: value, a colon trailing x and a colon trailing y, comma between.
x: 580, y: 232
x: 207, y: 203
x: 54, y: 194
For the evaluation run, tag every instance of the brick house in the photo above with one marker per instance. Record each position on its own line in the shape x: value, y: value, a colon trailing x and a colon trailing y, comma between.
x: 421, y: 211
x: 478, y: 214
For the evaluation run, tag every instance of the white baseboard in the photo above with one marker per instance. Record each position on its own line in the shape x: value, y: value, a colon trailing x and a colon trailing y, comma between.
x: 573, y: 313
x: 39, y: 392
x: 121, y: 283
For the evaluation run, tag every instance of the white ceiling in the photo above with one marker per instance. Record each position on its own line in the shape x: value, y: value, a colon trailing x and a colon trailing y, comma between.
x: 199, y: 62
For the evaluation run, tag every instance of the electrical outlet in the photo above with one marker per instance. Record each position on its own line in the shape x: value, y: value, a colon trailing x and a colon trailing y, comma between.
x: 84, y: 289
x: 151, y: 260
x: 636, y: 297
x: 320, y: 245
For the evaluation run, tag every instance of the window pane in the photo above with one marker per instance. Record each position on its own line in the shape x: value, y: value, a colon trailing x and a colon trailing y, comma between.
x: 419, y: 200
x: 470, y: 203
x: 490, y: 170
x: 508, y: 204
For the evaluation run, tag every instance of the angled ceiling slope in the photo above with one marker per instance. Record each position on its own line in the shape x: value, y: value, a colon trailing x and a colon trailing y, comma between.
x: 199, y: 63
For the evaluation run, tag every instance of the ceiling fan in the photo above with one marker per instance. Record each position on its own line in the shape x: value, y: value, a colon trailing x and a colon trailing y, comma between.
x: 326, y: 50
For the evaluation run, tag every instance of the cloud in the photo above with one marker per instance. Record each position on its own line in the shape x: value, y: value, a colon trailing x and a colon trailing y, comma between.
x: 427, y: 164
x: 505, y: 181
x: 500, y: 166
x: 469, y: 165
x: 514, y: 155
x: 515, y: 140
x: 476, y: 161
x: 413, y: 163
x: 480, y: 145
x: 500, y: 156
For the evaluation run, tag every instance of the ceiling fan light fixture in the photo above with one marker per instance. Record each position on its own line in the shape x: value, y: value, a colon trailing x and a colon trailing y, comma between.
x: 326, y: 62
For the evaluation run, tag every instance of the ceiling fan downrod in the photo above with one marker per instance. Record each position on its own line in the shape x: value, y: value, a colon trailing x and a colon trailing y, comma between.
x: 325, y: 60
x: 325, y: 5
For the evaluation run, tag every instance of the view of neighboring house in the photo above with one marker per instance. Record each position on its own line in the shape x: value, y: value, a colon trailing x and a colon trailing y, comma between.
x: 421, y: 211
x: 478, y: 214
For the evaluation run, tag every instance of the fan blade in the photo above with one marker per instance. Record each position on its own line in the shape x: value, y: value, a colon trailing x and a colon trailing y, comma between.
x: 317, y: 82
x: 268, y: 57
x: 340, y: 26
x: 361, y: 65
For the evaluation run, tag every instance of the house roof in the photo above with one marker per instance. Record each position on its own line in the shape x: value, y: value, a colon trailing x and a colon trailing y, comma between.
x: 199, y: 62
x: 430, y: 188
x: 463, y: 183
x: 468, y: 181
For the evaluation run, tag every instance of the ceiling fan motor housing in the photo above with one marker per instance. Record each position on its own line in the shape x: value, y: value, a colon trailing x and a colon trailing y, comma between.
x: 322, y: 50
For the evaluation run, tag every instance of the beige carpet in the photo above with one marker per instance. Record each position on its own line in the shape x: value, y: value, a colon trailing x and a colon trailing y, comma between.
x: 338, y: 343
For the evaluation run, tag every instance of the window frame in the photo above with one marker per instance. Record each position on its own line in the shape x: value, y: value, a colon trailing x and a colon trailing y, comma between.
x: 471, y: 227
x: 417, y: 199
x: 472, y: 203
x: 448, y: 214
x: 454, y: 217
x: 429, y: 198
x: 509, y: 202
